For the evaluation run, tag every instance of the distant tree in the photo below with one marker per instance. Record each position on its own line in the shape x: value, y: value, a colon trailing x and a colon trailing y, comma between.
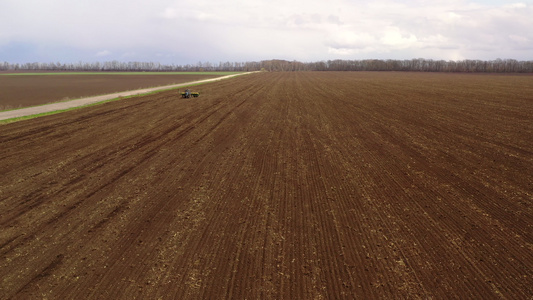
x: 416, y: 65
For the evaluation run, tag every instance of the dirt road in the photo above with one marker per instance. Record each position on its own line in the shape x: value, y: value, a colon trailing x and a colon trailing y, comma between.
x: 276, y: 186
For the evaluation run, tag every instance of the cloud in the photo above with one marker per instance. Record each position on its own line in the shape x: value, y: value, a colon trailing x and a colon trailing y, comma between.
x: 169, y: 13
x: 394, y: 37
x: 516, y: 5
x: 103, y: 53
x: 343, y: 41
x: 206, y: 30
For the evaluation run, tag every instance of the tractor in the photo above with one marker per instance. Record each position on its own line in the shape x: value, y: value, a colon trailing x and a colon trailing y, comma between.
x: 189, y: 94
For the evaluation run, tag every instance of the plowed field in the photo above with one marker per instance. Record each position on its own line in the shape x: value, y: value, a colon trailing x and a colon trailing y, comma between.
x: 29, y: 90
x: 277, y: 186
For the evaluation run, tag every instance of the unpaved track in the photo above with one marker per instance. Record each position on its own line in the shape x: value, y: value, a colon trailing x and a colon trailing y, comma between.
x: 5, y: 115
x: 276, y: 186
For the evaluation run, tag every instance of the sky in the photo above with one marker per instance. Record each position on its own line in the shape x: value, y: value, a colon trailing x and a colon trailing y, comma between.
x: 192, y: 31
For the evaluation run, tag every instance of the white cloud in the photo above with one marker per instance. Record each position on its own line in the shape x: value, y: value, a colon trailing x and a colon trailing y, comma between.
x: 346, y: 39
x: 519, y: 39
x: 169, y: 13
x: 103, y: 53
x: 516, y: 5
x: 395, y: 38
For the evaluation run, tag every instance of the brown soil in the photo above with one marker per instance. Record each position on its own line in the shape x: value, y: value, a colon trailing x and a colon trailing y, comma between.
x: 280, y: 186
x: 29, y: 90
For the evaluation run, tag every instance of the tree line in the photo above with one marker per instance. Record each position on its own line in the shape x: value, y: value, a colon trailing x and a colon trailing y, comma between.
x: 418, y: 65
